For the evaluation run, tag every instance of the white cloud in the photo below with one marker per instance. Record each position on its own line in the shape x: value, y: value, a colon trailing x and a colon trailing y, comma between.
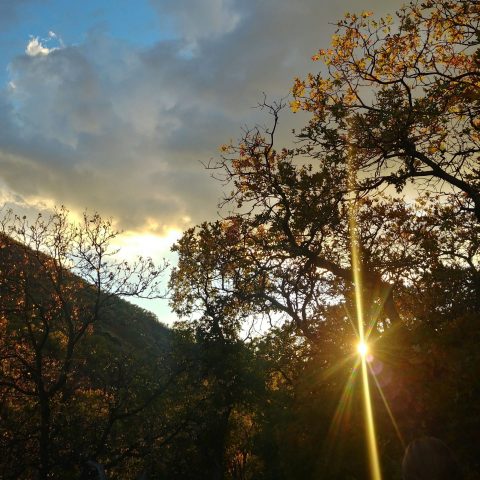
x: 35, y: 48
x: 39, y: 46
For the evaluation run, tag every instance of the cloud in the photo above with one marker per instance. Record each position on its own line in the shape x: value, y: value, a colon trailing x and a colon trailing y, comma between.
x: 35, y: 47
x: 89, y: 126
x: 122, y: 129
x: 199, y: 19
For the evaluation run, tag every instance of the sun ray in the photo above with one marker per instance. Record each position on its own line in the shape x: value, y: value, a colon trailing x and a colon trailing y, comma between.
x: 352, y: 323
x: 376, y: 313
x: 344, y: 403
x: 374, y: 460
x: 370, y: 426
x: 339, y: 365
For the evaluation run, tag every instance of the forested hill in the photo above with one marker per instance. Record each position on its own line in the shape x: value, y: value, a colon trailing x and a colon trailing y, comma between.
x: 88, y: 379
x: 127, y: 324
x: 84, y: 374
x: 121, y: 321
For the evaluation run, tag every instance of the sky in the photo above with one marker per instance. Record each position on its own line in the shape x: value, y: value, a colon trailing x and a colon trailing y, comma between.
x: 115, y: 105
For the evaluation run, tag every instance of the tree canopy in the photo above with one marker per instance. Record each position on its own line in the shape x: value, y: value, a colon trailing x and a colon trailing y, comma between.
x: 403, y: 92
x: 392, y: 140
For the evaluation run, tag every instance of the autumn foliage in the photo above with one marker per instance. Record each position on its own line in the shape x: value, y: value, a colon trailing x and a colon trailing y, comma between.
x: 402, y: 92
x: 392, y: 136
x: 258, y: 378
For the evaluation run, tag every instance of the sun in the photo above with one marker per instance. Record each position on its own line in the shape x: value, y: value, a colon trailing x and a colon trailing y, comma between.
x: 362, y: 348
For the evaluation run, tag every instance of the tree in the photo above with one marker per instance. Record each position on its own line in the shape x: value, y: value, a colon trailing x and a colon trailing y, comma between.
x: 396, y: 107
x: 201, y: 294
x: 57, y: 279
x: 289, y: 241
x: 404, y: 94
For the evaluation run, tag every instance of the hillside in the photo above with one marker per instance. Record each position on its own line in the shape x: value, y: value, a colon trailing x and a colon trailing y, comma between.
x: 79, y: 368
x: 122, y: 321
